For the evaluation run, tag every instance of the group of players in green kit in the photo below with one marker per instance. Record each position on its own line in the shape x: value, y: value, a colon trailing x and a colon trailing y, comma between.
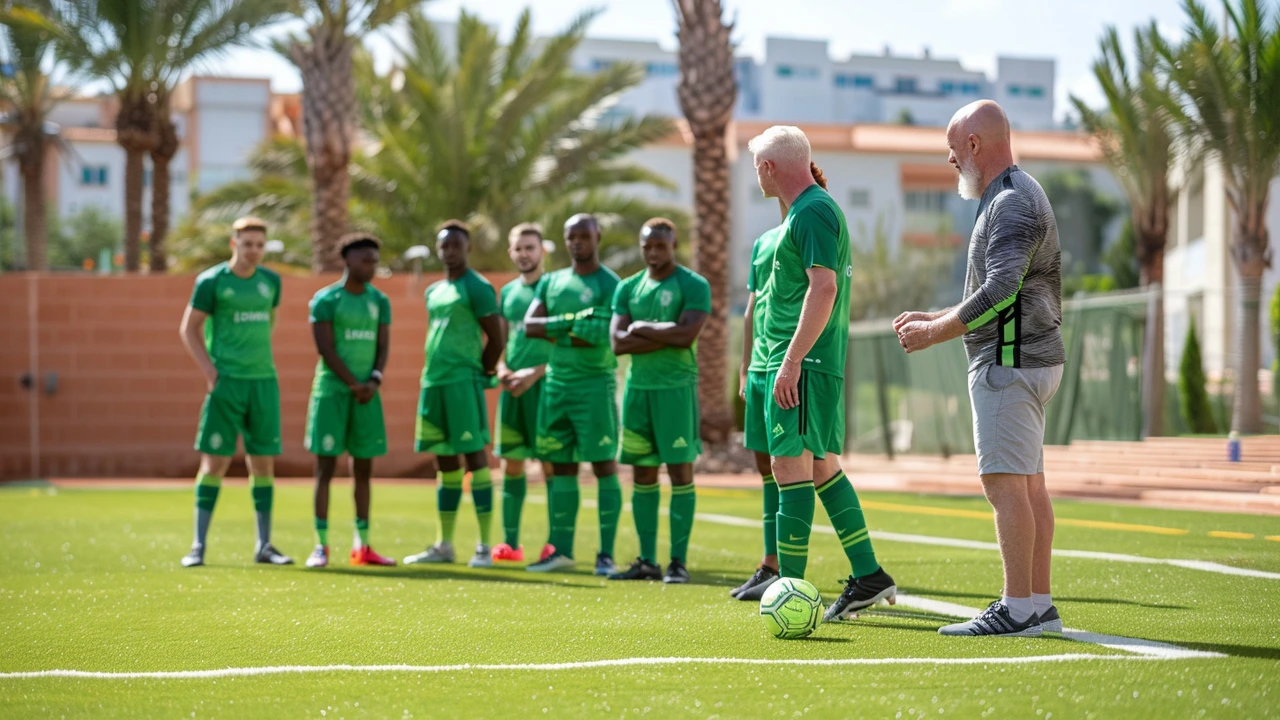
x: 551, y: 342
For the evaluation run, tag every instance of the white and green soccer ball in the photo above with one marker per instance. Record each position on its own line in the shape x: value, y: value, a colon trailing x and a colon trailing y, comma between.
x: 791, y: 608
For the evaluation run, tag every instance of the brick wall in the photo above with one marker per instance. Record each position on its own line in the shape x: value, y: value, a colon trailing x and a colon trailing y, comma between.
x: 128, y: 396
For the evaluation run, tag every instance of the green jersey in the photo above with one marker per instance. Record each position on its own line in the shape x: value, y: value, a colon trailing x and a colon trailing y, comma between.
x: 241, y: 312
x: 455, y: 342
x: 522, y: 352
x: 562, y: 292
x: 356, y: 320
x: 663, y: 301
x: 757, y: 282
x: 814, y: 234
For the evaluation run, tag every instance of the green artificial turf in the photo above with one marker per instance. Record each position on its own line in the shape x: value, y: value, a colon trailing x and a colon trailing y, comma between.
x: 90, y: 581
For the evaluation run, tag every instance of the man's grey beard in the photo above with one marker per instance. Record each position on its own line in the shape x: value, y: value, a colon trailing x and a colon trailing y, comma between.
x: 970, y: 185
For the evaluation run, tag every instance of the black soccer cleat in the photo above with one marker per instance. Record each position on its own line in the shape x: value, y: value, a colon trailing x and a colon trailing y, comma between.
x: 269, y: 555
x: 995, y: 621
x: 861, y: 593
x: 755, y: 592
x: 763, y: 574
x: 677, y: 574
x: 640, y: 569
x: 1050, y: 620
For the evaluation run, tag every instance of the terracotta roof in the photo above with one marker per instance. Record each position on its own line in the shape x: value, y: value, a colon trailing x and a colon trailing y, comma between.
x: 89, y: 135
x: 908, y: 140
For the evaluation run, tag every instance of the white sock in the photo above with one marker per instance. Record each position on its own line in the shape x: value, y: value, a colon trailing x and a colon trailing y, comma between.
x: 1020, y: 609
x: 1042, y: 602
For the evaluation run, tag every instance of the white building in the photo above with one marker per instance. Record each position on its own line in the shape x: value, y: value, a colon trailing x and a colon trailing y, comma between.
x: 799, y: 82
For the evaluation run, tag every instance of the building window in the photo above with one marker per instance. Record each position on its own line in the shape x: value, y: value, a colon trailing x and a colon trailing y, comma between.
x: 970, y: 89
x: 946, y: 87
x: 1035, y: 91
x: 859, y: 198
x: 93, y: 175
x: 661, y: 69
x: 905, y: 85
x: 845, y: 80
x: 597, y: 64
x: 797, y: 71
x: 1015, y: 90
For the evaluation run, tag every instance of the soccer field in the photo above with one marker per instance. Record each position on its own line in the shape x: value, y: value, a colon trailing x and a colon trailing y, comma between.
x: 91, y: 583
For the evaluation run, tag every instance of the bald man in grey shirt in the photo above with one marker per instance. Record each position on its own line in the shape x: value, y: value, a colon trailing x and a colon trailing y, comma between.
x: 1010, y: 320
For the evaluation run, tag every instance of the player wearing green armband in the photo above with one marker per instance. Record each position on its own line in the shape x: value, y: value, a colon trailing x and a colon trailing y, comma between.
x: 578, y: 417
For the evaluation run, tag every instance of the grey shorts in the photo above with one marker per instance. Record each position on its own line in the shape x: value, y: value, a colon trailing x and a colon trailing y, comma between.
x: 1008, y: 417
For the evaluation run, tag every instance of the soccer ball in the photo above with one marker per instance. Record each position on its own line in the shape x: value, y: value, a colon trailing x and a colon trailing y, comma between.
x: 791, y: 608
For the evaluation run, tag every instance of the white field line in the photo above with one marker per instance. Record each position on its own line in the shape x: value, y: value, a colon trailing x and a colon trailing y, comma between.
x: 544, y: 667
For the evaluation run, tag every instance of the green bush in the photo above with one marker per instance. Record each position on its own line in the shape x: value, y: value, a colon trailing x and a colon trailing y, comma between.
x: 1193, y: 398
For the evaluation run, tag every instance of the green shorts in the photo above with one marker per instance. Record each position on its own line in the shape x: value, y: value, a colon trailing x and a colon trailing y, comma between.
x: 518, y: 424
x: 759, y: 395
x: 579, y: 422
x: 452, y: 419
x: 660, y: 426
x: 816, y: 424
x: 241, y: 407
x: 336, y: 423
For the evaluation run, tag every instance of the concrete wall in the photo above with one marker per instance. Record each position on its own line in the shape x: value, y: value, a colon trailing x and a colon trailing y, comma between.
x: 128, y: 397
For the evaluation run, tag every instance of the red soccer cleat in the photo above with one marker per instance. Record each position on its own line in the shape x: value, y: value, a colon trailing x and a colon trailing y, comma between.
x: 506, y: 553
x: 547, y: 551
x: 365, y: 555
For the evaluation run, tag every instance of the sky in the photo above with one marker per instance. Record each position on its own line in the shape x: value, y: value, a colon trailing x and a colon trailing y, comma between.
x: 973, y: 31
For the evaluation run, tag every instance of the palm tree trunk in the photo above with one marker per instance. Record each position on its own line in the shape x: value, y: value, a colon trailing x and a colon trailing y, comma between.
x: 328, y: 123
x: 1153, y: 363
x: 34, y: 214
x: 161, y: 157
x: 132, y: 209
x: 1249, y: 250
x: 711, y: 202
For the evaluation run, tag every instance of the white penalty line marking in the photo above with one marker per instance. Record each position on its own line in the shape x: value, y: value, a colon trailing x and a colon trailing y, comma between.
x: 585, y: 665
x: 1203, y: 565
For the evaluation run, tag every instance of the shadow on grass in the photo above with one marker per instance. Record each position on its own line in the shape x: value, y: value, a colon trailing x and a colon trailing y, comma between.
x: 1244, y: 651
x: 511, y: 576
x: 1057, y: 599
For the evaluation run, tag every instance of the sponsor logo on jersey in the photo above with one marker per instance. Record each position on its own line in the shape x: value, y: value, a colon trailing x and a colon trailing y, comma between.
x: 251, y: 316
x: 368, y: 335
x: 665, y: 298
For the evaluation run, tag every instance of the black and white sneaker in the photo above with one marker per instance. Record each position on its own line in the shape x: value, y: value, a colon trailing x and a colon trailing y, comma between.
x: 995, y: 621
x: 269, y: 555
x: 195, y: 558
x: 676, y: 573
x: 861, y: 593
x: 640, y: 569
x: 763, y: 575
x: 755, y: 592
x: 1050, y: 620
x: 604, y: 564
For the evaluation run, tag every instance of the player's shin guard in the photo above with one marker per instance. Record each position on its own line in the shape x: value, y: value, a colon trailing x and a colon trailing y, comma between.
x: 513, y: 492
x: 207, y: 488
x: 684, y: 502
x: 609, y: 502
x: 263, y: 490
x: 644, y: 508
x: 564, y: 498
x: 841, y: 503
x: 448, y: 497
x: 795, y: 523
x: 482, y: 496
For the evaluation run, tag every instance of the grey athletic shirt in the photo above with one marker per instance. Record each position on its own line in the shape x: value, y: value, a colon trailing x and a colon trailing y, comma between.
x: 1013, y: 292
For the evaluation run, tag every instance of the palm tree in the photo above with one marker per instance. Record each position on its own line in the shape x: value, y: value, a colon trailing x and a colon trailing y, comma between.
x: 500, y: 134
x: 1225, y: 101
x: 140, y: 48
x: 1134, y: 136
x: 324, y: 58
x: 708, y: 91
x: 27, y: 96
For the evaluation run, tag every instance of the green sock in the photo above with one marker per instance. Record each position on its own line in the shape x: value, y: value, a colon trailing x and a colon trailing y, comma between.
x: 795, y: 522
x: 609, y: 502
x: 263, y: 490
x: 770, y: 516
x: 644, y: 508
x: 448, y: 497
x: 513, y: 491
x: 482, y: 496
x: 322, y: 532
x: 564, y: 497
x: 362, y: 532
x: 207, y: 488
x: 841, y: 503
x: 683, y: 503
